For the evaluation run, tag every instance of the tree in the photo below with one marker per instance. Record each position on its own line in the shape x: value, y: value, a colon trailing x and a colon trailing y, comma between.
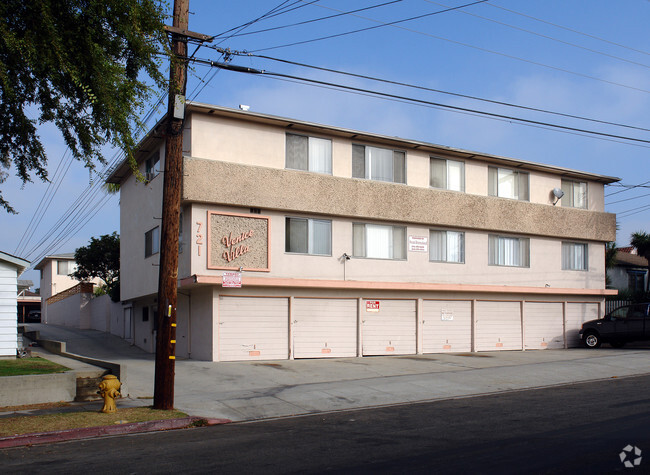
x: 610, y: 260
x: 101, y: 258
x: 76, y: 64
x: 641, y: 241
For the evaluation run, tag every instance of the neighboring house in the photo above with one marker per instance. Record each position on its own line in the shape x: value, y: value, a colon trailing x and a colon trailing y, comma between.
x: 55, y: 278
x: 630, y: 273
x: 29, y: 303
x: 10, y: 268
x: 355, y: 244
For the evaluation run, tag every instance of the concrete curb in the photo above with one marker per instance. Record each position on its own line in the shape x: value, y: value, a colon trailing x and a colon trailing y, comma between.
x: 120, y: 429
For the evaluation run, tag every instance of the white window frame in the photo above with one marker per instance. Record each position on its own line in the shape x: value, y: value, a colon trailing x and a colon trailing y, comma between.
x: 389, y: 242
x: 369, y: 162
x: 574, y: 196
x: 575, y: 256
x: 152, y: 242
x: 311, y: 161
x: 508, y: 251
x: 70, y: 267
x: 312, y: 226
x: 447, y: 171
x: 448, y: 240
x: 498, y: 179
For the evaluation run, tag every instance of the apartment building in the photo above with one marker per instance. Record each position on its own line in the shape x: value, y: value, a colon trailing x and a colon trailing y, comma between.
x: 302, y: 240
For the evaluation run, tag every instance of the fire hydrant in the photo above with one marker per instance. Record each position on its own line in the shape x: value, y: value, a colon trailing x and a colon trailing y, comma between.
x: 109, y: 389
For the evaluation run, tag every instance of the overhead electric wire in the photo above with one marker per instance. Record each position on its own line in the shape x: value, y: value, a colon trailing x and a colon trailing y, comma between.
x: 314, y: 20
x: 633, y: 211
x: 381, y: 25
x: 460, y: 43
x: 569, y: 29
x: 628, y: 199
x: 423, y: 88
x: 545, y: 36
x: 627, y: 187
x: 421, y: 101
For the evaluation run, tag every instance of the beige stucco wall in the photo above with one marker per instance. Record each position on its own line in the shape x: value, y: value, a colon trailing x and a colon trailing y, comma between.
x: 296, y: 191
x: 237, y: 141
x: 140, y: 211
x: 545, y: 268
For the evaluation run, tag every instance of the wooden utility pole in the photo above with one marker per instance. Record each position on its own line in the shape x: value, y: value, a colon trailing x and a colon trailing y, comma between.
x: 163, y: 397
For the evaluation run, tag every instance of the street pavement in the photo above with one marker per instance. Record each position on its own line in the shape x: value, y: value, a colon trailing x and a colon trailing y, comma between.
x: 245, y: 391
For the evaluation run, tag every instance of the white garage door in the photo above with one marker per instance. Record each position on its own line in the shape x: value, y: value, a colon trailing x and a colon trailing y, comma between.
x: 390, y: 328
x: 498, y: 326
x: 544, y: 325
x: 324, y: 328
x: 447, y: 326
x: 252, y: 328
x: 576, y: 315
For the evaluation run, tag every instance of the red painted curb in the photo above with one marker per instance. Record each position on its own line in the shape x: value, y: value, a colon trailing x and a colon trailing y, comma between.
x: 118, y: 429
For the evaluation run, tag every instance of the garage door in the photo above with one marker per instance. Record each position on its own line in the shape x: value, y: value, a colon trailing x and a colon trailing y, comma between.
x: 576, y: 315
x: 253, y: 328
x: 447, y: 326
x: 324, y: 328
x: 498, y: 326
x: 389, y: 327
x: 544, y: 325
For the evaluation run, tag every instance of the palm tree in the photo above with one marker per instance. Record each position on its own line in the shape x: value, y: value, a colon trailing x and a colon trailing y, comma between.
x: 641, y: 241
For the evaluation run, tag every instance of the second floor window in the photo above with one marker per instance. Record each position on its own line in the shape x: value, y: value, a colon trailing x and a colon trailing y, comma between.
x: 65, y: 267
x: 574, y: 256
x: 575, y: 194
x: 447, y: 174
x: 308, y: 236
x: 309, y: 154
x: 382, y: 164
x: 152, y: 166
x: 152, y: 242
x: 378, y: 241
x: 508, y: 251
x: 507, y: 183
x: 447, y: 246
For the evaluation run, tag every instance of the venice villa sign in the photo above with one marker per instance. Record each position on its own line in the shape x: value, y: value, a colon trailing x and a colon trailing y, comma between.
x: 238, y: 241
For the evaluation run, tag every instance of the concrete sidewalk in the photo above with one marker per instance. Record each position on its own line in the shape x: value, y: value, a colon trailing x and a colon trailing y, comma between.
x: 242, y: 391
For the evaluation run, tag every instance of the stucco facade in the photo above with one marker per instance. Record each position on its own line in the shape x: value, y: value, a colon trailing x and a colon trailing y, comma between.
x: 241, y: 195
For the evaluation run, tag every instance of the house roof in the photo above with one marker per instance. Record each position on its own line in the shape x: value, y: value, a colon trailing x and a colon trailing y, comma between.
x: 155, y: 135
x: 59, y: 257
x: 626, y: 259
x: 19, y: 263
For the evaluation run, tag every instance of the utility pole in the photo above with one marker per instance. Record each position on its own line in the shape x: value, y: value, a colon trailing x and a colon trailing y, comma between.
x: 163, y: 397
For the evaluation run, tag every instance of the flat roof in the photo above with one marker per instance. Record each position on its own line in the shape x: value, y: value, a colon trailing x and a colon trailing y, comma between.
x: 154, y: 136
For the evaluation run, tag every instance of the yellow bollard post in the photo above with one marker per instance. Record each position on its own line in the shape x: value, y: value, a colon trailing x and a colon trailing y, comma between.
x: 109, y: 389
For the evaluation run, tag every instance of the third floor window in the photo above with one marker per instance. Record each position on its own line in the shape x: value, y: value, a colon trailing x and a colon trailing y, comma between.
x: 309, y: 154
x: 507, y: 183
x: 382, y: 164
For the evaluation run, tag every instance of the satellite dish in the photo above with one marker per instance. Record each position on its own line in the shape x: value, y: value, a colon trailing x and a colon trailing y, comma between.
x: 558, y: 193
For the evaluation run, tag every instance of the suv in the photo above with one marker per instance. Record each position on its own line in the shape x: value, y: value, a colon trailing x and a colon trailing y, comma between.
x: 620, y: 326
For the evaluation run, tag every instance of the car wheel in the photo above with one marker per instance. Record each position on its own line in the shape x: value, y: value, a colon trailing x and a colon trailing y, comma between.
x: 592, y: 340
x: 618, y: 344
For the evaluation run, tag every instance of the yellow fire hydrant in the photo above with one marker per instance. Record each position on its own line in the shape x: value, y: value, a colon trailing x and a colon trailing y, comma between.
x: 109, y: 389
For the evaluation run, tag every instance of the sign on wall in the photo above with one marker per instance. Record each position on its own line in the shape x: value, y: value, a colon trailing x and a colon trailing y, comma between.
x: 238, y: 241
x: 418, y: 244
x: 372, y: 306
x: 231, y: 279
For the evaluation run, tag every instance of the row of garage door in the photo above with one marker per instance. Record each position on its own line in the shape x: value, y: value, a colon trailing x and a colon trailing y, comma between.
x: 252, y: 328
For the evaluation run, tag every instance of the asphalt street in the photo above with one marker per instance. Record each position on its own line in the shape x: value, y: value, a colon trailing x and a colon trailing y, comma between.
x: 575, y: 428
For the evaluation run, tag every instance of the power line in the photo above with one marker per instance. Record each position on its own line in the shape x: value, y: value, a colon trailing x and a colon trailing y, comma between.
x: 629, y: 199
x: 421, y: 101
x: 627, y: 187
x: 545, y: 36
x: 314, y: 20
x: 422, y: 88
x: 395, y: 24
x: 568, y: 29
x: 381, y: 25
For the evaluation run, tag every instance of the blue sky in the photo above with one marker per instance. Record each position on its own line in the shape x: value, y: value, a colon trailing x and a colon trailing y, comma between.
x: 588, y: 58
